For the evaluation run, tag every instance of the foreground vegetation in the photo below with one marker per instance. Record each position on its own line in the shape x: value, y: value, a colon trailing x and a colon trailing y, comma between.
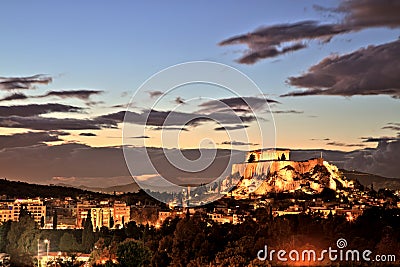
x: 197, y: 241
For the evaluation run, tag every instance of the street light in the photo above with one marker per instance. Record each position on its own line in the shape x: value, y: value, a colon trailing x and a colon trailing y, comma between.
x: 38, y: 251
x: 47, y: 242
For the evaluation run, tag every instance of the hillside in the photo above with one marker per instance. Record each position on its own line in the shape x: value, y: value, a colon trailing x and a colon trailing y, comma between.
x: 14, y: 189
x: 366, y: 179
x: 310, y: 176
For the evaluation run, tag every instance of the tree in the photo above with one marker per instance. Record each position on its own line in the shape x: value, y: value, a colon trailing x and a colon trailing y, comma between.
x: 55, y: 220
x: 111, y: 221
x: 22, y: 239
x: 132, y: 253
x: 42, y: 222
x: 189, y: 242
x: 68, y: 243
x: 88, y: 238
x: 328, y: 194
x: 252, y: 158
x: 4, y: 229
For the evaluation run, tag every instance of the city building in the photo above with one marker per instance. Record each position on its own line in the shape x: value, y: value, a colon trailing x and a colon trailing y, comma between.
x: 10, y: 209
x: 104, y: 213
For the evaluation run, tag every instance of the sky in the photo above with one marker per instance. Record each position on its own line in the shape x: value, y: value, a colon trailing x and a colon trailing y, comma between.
x: 69, y: 69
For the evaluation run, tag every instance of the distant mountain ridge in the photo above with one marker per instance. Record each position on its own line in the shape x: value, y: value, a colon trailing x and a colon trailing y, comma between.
x: 125, y: 188
x: 367, y: 179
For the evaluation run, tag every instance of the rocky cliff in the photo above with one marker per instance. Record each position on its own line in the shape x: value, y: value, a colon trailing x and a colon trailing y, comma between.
x: 310, y: 176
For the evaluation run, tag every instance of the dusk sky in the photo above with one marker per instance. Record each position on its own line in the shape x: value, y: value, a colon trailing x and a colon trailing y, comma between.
x: 68, y: 69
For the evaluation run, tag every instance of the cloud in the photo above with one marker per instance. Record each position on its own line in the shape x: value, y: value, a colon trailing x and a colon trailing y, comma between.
x: 370, y: 13
x: 369, y: 71
x: 272, y: 41
x: 88, y: 134
x: 253, y: 56
x: 80, y: 94
x: 378, y: 139
x: 131, y: 105
x: 140, y: 137
x: 231, y: 128
x: 23, y: 83
x: 172, y: 118
x: 56, y: 161
x: 169, y: 129
x: 154, y: 94
x: 392, y: 126
x: 237, y: 104
x: 275, y: 40
x: 384, y: 160
x: 334, y: 143
x: 35, y: 109
x: 94, y: 103
x: 102, y: 163
x: 59, y: 133
x: 320, y: 139
x: 238, y: 143
x: 28, y: 139
x: 287, y: 111
x: 44, y: 123
x: 14, y: 96
x: 179, y: 100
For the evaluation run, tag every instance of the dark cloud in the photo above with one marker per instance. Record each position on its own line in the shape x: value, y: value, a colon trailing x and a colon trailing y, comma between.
x: 59, y: 133
x: 44, y: 123
x: 275, y: 40
x: 172, y: 118
x: 378, y: 139
x: 56, y: 161
x: 370, y: 71
x: 238, y: 104
x: 252, y: 56
x: 384, y: 160
x: 392, y: 126
x: 179, y: 100
x: 287, y: 111
x: 231, y: 128
x: 27, y: 139
x: 80, y: 94
x: 153, y: 94
x: 35, y: 109
x: 238, y: 143
x: 15, y: 96
x: 131, y: 105
x: 94, y: 103
x: 334, y: 143
x: 101, y: 163
x: 361, y: 14
x: 140, y: 137
x: 320, y: 139
x: 88, y: 134
x: 23, y: 83
x: 169, y: 129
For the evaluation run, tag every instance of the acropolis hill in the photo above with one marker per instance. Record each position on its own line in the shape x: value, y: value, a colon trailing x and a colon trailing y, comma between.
x: 273, y: 171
